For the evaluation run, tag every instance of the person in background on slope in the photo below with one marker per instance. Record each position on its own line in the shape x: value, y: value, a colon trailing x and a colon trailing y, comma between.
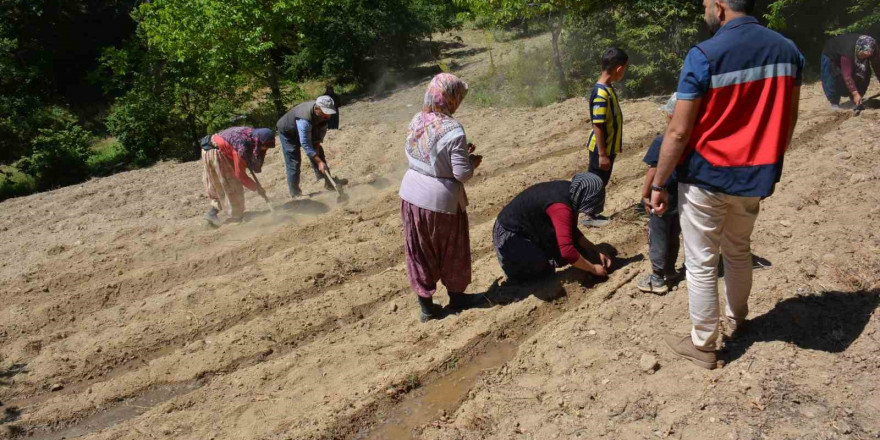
x: 663, y: 230
x: 227, y: 156
x: 305, y: 126
x: 846, y: 67
x: 333, y: 124
x: 537, y: 232
x: 433, y: 201
x: 606, y: 139
x: 737, y: 109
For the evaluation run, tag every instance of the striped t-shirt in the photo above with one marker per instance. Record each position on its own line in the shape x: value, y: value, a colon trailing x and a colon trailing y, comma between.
x: 605, y: 109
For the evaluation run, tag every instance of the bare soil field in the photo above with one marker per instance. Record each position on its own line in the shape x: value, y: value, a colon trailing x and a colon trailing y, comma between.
x: 124, y: 317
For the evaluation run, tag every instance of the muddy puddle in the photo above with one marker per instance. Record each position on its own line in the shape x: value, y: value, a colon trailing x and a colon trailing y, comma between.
x: 444, y: 394
x: 125, y: 410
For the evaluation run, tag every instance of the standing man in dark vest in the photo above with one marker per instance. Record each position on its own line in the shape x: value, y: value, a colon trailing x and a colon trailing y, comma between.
x: 736, y: 112
x: 305, y: 126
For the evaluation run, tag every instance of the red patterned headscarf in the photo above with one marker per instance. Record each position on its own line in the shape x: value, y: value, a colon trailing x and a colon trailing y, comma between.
x: 444, y: 95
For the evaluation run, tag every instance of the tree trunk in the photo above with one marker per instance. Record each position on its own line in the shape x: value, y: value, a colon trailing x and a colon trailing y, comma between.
x: 273, y: 78
x: 555, y: 32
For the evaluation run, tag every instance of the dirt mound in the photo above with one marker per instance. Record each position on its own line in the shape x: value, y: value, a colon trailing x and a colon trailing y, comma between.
x: 123, y: 317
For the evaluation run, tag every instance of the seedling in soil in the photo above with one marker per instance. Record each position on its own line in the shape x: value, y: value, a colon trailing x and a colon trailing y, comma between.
x: 452, y: 363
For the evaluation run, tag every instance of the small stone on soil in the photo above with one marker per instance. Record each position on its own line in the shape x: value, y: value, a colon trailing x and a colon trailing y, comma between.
x: 56, y: 387
x: 648, y: 363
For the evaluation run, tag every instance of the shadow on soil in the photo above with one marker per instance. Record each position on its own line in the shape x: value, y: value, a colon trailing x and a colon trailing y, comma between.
x: 11, y: 372
x: 10, y: 414
x: 829, y: 322
x: 549, y: 288
x: 306, y: 206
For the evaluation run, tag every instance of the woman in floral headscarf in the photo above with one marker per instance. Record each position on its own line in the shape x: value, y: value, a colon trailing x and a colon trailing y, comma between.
x: 227, y: 156
x: 846, y: 67
x: 433, y: 200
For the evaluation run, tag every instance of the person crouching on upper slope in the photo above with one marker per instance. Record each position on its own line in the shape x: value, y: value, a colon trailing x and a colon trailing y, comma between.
x: 846, y: 67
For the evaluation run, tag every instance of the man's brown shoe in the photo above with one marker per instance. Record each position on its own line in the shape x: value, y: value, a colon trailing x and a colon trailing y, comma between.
x: 684, y: 348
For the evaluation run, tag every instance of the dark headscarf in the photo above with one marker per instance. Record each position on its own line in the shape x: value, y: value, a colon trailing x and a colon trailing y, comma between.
x: 587, y: 193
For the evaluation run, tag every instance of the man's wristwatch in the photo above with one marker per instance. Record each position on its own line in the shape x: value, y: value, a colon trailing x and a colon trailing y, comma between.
x: 658, y: 188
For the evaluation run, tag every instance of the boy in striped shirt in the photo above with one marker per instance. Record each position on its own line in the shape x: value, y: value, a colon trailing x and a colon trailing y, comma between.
x: 606, y: 139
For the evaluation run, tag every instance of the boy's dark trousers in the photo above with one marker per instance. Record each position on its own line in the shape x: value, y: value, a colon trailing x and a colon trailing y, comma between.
x: 594, y: 166
x: 663, y: 242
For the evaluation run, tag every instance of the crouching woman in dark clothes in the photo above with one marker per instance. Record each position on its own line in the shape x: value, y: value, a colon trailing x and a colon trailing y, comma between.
x: 537, y: 231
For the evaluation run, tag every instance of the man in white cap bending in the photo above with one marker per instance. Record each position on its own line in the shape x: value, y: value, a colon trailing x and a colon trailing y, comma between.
x: 305, y: 125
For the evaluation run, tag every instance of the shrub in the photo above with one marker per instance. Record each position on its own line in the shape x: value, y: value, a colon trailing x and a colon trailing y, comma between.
x: 138, y: 120
x: 59, y: 157
x: 14, y: 183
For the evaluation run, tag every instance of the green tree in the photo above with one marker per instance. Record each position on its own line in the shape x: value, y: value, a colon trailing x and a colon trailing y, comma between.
x: 838, y: 16
x: 247, y: 36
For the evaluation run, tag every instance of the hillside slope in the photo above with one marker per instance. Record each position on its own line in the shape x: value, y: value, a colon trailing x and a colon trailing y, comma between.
x: 123, y: 317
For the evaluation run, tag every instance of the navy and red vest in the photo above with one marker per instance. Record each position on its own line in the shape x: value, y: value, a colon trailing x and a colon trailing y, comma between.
x: 741, y: 133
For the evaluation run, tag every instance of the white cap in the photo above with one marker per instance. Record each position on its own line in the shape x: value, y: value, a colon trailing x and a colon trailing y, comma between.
x: 326, y: 104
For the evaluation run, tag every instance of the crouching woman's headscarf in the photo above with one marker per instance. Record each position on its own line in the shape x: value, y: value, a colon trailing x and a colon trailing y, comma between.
x: 866, y: 46
x: 587, y: 193
x: 444, y: 95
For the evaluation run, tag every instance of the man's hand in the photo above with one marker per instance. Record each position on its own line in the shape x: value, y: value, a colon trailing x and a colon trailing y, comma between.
x: 322, y: 166
x: 659, y: 202
x: 606, y: 261
x: 604, y: 163
x: 599, y: 270
x: 471, y: 148
x: 857, y: 98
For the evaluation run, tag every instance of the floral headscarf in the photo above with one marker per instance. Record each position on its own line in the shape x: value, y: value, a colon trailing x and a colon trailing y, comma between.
x: 246, y: 141
x: 866, y: 46
x: 444, y: 95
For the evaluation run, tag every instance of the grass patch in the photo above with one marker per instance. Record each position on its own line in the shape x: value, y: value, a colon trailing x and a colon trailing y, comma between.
x: 526, y: 80
x: 108, y: 157
x: 14, y: 183
x: 315, y: 88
